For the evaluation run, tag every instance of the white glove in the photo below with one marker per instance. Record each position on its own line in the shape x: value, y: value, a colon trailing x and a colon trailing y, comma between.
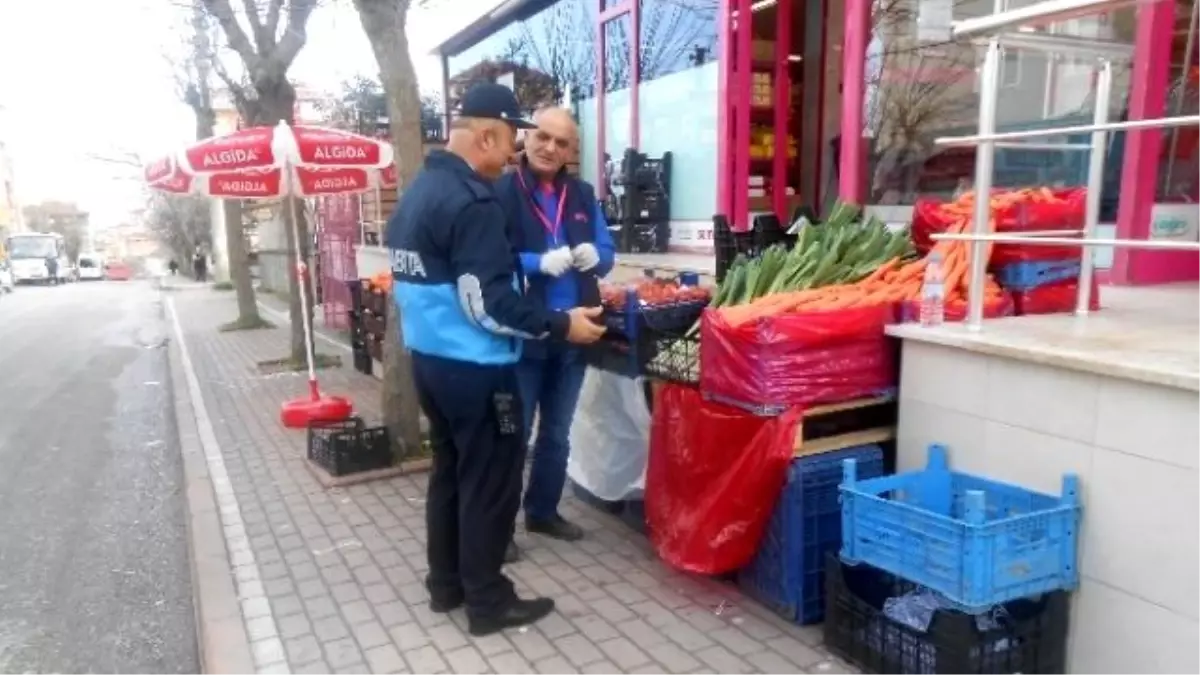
x: 556, y: 263
x: 585, y: 257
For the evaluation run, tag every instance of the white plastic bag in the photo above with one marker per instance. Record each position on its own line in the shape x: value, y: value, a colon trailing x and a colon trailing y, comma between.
x: 610, y: 436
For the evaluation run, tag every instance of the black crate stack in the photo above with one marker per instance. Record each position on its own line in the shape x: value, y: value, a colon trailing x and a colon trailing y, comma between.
x: 767, y: 231
x: 368, y: 324
x: 375, y: 309
x: 642, y: 211
x: 358, y: 332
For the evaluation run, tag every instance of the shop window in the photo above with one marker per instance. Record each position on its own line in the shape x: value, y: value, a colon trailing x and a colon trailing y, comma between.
x: 919, y: 91
x: 1010, y: 69
x: 617, y: 41
x: 617, y: 109
x: 676, y: 35
x: 548, y: 53
x: 1177, y: 173
x: 678, y: 114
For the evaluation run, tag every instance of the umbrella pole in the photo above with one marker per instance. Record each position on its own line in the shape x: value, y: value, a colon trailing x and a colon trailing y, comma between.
x: 301, y: 270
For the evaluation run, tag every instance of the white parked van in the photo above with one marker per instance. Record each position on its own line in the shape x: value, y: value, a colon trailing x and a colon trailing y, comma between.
x: 91, y: 267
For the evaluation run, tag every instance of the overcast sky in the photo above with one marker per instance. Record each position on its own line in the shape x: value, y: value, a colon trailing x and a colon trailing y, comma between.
x: 83, y: 77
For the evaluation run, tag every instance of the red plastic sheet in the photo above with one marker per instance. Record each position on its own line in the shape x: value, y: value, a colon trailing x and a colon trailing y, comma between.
x: 712, y: 480
x: 1054, y: 298
x: 1066, y: 213
x: 798, y: 359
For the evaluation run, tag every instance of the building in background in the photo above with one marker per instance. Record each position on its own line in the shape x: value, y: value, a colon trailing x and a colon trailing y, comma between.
x: 10, y: 208
x: 638, y: 74
x: 65, y: 218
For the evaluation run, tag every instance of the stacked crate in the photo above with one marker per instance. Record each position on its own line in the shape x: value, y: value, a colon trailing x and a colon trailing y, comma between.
x: 1044, y: 287
x: 374, y: 320
x: 358, y: 332
x: 788, y: 571
x: 946, y: 572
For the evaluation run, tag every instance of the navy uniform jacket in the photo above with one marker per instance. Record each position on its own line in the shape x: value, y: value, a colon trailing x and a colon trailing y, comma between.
x: 457, y: 280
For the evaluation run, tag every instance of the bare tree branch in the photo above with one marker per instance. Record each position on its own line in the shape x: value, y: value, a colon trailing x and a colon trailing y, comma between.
x: 273, y: 9
x: 295, y: 34
x: 223, y: 12
x: 262, y: 38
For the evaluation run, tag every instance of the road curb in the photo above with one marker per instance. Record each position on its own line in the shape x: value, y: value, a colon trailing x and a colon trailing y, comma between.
x: 224, y: 644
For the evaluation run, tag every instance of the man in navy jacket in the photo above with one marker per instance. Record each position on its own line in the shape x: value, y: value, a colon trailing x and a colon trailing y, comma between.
x: 557, y: 226
x: 465, y: 319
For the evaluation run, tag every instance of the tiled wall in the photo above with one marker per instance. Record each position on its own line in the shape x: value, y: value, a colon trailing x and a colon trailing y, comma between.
x: 1135, y: 449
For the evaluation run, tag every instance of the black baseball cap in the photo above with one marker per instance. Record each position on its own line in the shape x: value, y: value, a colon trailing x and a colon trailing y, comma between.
x: 494, y: 102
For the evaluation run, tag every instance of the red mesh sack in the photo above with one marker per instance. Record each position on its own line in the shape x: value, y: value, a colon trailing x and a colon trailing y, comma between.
x: 712, y: 479
x: 797, y: 359
x: 1064, y: 210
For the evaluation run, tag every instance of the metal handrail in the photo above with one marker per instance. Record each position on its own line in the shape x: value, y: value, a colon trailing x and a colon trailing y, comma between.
x: 1038, y: 13
x: 1131, y: 125
x: 1031, y: 238
x: 1063, y: 45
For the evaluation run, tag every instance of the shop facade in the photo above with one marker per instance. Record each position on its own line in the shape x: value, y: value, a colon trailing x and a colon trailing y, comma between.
x: 691, y: 78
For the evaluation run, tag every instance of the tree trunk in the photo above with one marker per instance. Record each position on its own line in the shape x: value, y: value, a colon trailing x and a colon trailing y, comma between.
x: 384, y: 23
x: 276, y: 102
x: 239, y: 266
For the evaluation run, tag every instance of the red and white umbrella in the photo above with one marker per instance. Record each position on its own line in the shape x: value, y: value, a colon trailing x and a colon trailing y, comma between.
x: 285, y: 146
x: 301, y: 181
x: 273, y: 163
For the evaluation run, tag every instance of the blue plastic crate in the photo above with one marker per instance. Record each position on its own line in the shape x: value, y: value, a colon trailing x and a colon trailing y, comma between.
x: 976, y: 541
x: 788, y: 571
x: 1023, y: 276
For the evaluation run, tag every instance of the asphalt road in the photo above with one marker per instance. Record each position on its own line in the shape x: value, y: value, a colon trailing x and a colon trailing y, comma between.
x: 94, y: 571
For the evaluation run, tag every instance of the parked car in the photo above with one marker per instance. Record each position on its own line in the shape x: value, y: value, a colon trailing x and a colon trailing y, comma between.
x: 6, y: 278
x: 118, y: 271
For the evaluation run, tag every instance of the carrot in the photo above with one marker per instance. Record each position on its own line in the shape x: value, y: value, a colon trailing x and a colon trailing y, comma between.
x: 882, y: 270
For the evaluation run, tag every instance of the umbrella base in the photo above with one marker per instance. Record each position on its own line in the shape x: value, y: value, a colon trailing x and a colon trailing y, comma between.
x: 299, y: 413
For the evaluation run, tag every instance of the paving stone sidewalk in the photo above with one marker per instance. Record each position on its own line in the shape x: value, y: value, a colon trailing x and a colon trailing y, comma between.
x: 332, y: 579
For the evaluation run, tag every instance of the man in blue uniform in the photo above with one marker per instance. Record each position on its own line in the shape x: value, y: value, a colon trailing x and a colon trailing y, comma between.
x: 465, y: 318
x: 556, y: 223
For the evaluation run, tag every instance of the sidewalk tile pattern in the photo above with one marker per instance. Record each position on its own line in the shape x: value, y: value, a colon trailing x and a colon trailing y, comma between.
x: 341, y: 570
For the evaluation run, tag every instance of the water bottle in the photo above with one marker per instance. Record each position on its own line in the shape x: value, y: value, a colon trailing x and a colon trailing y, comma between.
x: 933, y: 293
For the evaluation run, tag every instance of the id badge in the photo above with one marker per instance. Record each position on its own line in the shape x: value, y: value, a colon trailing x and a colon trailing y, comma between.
x: 505, y: 405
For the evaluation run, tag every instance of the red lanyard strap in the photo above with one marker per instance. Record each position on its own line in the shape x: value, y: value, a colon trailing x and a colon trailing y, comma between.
x: 552, y: 228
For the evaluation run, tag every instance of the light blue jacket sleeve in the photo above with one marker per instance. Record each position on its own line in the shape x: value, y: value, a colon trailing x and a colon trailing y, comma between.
x: 604, y: 242
x: 531, y: 263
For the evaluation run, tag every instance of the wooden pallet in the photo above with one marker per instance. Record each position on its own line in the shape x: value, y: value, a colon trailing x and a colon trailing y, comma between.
x: 849, y: 424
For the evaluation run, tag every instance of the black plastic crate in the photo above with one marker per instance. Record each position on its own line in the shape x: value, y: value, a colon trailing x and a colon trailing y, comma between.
x: 727, y: 244
x: 347, y: 447
x: 375, y: 347
x: 356, y: 295
x: 768, y: 231
x: 363, y: 362
x: 375, y: 303
x: 635, y: 335
x: 1025, y: 636
x: 375, y: 325
x: 676, y: 359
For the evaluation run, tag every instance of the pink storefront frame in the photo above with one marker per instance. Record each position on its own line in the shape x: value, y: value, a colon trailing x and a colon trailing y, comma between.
x: 1139, y: 177
x: 604, y: 15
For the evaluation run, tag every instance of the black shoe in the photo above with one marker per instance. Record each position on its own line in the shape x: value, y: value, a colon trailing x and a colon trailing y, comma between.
x: 512, y: 554
x: 449, y: 603
x: 557, y: 528
x: 519, y: 613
